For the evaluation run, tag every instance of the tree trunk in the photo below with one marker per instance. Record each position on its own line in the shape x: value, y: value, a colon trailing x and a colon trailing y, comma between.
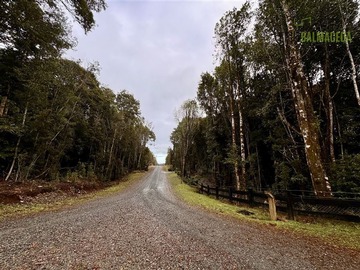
x: 353, y: 73
x: 36, y: 157
x: 183, y: 161
x: 233, y: 141
x: 139, y: 160
x: 304, y: 110
x: 110, y: 155
x: 233, y: 128
x: 134, y: 163
x: 242, y: 178
x: 17, y: 144
x: 353, y: 68
x: 329, y: 111
x: 3, y: 105
x: 258, y: 185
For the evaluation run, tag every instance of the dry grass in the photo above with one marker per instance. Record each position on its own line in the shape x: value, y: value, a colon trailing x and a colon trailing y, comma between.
x: 18, y: 210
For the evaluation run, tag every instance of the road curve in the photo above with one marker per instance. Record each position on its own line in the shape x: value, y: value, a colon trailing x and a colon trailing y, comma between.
x: 146, y: 227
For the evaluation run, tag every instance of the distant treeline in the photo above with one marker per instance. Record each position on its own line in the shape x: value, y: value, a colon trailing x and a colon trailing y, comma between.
x: 56, y: 120
x: 279, y: 113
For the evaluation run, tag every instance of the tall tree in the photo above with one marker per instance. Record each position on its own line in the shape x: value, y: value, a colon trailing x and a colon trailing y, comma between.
x: 288, y: 104
x: 230, y: 33
x: 304, y: 108
x: 187, y: 118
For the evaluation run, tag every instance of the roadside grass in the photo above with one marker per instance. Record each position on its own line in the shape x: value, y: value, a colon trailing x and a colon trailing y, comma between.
x: 20, y: 210
x: 334, y: 232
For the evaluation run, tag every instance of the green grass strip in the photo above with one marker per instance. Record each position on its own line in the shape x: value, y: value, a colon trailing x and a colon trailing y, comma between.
x: 334, y: 232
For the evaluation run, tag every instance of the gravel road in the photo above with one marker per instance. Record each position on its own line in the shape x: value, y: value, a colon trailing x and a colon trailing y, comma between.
x: 146, y: 227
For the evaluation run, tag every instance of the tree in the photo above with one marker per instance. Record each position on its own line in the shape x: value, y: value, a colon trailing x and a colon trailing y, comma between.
x: 30, y: 28
x: 55, y: 118
x: 19, y: 18
x: 277, y: 108
x: 213, y: 100
x: 229, y: 33
x: 304, y: 108
x: 187, y: 118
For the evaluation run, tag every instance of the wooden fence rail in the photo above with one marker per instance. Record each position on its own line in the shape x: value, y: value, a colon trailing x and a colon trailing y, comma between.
x: 291, y: 203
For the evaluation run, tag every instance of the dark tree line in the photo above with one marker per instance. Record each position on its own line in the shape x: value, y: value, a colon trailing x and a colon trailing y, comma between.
x: 55, y: 117
x: 280, y: 113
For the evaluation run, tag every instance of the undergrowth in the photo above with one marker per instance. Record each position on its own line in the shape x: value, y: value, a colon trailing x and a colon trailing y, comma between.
x: 18, y: 210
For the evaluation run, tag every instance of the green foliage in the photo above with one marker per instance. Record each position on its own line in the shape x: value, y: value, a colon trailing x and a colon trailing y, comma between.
x: 345, y: 174
x: 56, y: 121
x: 183, y: 137
x: 30, y: 29
x: 252, y: 78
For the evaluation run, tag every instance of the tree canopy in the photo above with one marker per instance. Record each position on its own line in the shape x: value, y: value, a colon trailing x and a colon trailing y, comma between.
x: 281, y: 113
x: 56, y: 119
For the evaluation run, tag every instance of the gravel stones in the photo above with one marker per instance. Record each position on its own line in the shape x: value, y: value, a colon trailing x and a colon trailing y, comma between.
x: 146, y: 227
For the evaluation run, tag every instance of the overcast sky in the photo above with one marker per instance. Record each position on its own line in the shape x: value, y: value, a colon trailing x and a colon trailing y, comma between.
x: 157, y: 51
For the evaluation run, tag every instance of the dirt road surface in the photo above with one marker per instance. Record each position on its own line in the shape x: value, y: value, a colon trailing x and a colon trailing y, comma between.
x: 146, y: 227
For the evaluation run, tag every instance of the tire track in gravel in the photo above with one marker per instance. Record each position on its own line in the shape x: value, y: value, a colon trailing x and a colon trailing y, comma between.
x: 146, y: 227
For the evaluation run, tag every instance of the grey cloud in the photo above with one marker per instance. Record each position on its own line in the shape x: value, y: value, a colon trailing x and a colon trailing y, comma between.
x: 157, y: 51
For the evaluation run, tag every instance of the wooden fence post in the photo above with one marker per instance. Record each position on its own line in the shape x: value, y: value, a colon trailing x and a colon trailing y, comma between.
x: 230, y: 194
x: 251, y: 196
x: 217, y: 192
x: 208, y: 190
x: 290, y: 206
x: 272, y: 206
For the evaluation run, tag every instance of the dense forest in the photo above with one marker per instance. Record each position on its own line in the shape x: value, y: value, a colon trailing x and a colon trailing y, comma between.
x: 281, y: 109
x: 56, y: 120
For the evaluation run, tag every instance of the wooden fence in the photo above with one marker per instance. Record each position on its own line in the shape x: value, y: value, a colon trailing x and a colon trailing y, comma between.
x: 291, y: 203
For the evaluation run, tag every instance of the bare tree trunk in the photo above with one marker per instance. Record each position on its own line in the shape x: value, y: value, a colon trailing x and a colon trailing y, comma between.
x: 128, y: 161
x: 304, y: 110
x: 110, y: 154
x: 183, y: 163
x: 353, y: 73
x: 258, y: 168
x: 233, y: 141
x: 36, y: 157
x: 17, y: 144
x: 139, y: 160
x: 214, y: 172
x: 3, y: 105
x: 142, y: 147
x: 353, y: 68
x: 339, y: 133
x: 329, y: 111
x: 233, y: 128
x: 14, y: 158
x: 242, y: 150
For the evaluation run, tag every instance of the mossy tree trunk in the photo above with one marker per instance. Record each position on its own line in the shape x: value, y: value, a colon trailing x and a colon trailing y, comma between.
x: 306, y: 117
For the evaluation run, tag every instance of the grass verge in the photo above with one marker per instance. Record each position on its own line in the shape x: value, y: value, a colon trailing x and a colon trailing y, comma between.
x: 19, y: 210
x: 334, y: 232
